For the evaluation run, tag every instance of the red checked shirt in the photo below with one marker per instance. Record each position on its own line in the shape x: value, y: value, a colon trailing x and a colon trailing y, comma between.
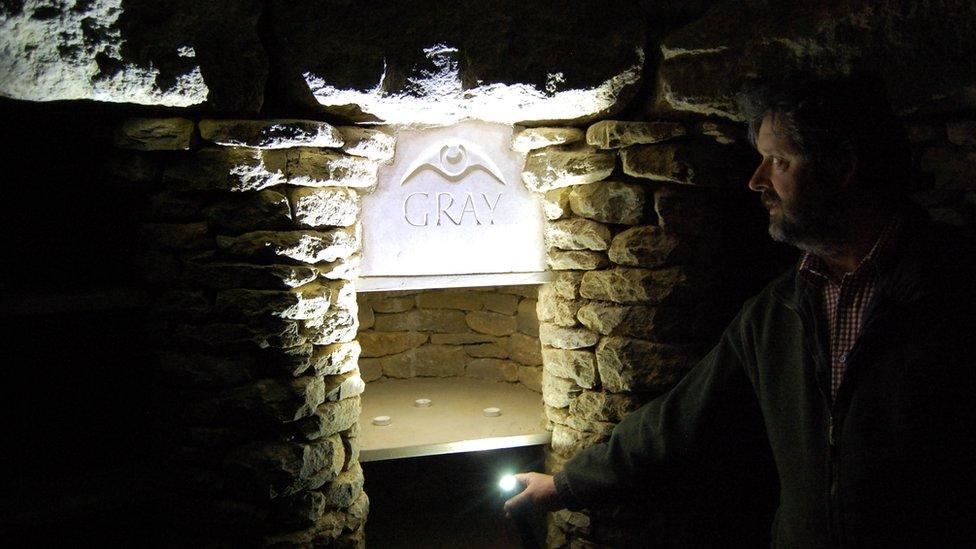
x: 846, y: 302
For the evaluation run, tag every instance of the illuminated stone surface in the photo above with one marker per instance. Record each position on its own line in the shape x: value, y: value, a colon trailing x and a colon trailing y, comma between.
x: 548, y: 169
x: 488, y: 350
x: 555, y: 203
x: 337, y: 358
x: 391, y: 304
x: 563, y: 260
x: 309, y: 301
x: 634, y: 365
x: 568, y: 442
x: 567, y: 284
x: 463, y: 339
x: 492, y: 369
x: 270, y: 134
x: 506, y: 304
x: 562, y: 337
x: 338, y: 325
x: 324, y: 206
x: 488, y: 322
x: 278, y: 400
x: 329, y: 418
x: 556, y: 391
x: 451, y: 299
x: 555, y: 309
x: 375, y: 145
x: 442, y: 321
x: 302, y: 246
x: 125, y: 52
x: 323, y: 168
x: 452, y: 203
x: 343, y: 386
x: 576, y: 364
x: 226, y: 169
x: 610, y: 202
x: 651, y: 246
x: 376, y: 344
x: 531, y: 377
x: 530, y: 139
x: 246, y: 275
x: 613, y: 134
x: 527, y: 318
x: 602, y: 406
x: 154, y: 134
x: 562, y: 416
x: 631, y: 285
x: 577, y: 234
x: 525, y: 349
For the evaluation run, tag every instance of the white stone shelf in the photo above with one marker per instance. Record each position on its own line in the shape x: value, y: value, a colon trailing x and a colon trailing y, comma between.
x: 454, y: 422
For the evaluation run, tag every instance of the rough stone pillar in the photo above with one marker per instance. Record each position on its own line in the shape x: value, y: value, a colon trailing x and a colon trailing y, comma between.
x: 644, y: 252
x: 251, y: 242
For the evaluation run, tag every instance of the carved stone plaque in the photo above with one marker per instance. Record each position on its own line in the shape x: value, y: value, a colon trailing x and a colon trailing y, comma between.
x: 452, y: 202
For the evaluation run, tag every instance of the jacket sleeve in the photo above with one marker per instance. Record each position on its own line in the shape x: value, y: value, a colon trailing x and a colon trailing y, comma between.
x: 713, y: 407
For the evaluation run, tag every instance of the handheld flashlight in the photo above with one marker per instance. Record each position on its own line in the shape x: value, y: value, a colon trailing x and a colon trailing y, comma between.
x: 507, y: 483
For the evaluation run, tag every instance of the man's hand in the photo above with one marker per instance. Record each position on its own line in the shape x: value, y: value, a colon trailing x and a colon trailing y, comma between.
x: 539, y: 492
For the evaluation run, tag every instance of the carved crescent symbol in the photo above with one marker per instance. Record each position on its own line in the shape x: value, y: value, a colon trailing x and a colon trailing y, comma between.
x: 453, y: 159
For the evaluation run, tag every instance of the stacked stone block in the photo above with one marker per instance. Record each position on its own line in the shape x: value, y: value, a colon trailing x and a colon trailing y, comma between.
x: 251, y: 243
x: 647, y: 225
x: 487, y: 333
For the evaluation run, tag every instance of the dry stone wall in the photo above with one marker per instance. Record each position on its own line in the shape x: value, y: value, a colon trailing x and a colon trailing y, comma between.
x: 647, y: 232
x: 251, y: 242
x: 485, y: 333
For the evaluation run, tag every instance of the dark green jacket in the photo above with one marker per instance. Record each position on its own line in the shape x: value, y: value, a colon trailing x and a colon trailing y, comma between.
x: 891, y: 463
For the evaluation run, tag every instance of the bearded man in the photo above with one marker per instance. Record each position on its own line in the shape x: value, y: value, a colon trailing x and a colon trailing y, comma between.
x: 857, y: 367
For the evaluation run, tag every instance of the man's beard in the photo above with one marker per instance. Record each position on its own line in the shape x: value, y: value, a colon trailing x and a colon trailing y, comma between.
x: 816, y: 220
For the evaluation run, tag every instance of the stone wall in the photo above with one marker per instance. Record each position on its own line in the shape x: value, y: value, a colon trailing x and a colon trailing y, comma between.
x: 251, y: 242
x: 485, y: 333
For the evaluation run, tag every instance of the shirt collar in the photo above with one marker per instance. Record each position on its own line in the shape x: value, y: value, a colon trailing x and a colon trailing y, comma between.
x: 815, y: 270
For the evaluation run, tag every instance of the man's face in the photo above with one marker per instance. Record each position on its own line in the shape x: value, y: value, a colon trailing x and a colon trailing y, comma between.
x: 804, y: 210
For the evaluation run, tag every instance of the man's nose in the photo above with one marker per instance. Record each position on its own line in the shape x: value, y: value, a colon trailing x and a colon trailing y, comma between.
x: 759, y: 180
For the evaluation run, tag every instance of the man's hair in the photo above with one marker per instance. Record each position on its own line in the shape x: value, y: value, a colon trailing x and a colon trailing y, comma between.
x: 829, y: 120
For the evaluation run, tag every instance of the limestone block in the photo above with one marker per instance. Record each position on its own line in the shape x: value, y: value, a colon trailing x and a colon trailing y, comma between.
x: 568, y: 442
x: 604, y: 406
x: 291, y: 361
x: 631, y: 285
x: 487, y: 350
x: 567, y: 284
x: 270, y: 134
x: 424, y: 320
x: 562, y: 416
x: 126, y: 52
x: 232, y: 169
x: 530, y: 291
x: 337, y: 325
x: 584, y: 260
x: 330, y: 418
x: 366, y: 316
x: 463, y: 339
x: 577, y: 234
x: 554, y: 309
x: 662, y: 323
x: 614, y: 134
x: 962, y: 133
x: 394, y: 304
x: 370, y: 369
x: 563, y: 166
x: 634, y: 365
x: 724, y: 133
x: 465, y: 300
x: 304, y: 302
x: 578, y: 365
x: 262, y: 210
x: 375, y: 145
x: 343, y: 386
x: 324, y: 206
x: 154, y: 134
x: 566, y: 338
x: 572, y: 521
x: 555, y: 203
x: 323, y: 168
x: 336, y: 358
x: 652, y: 246
x: 492, y: 369
x: 952, y: 167
x: 305, y: 508
x: 306, y: 246
x: 530, y: 139
x: 527, y: 319
x: 345, y: 489
x: 556, y: 391
x: 377, y: 344
x: 525, y: 350
x: 701, y: 164
x: 506, y: 304
x: 279, y: 400
x: 265, y: 333
x: 531, y: 377
x: 610, y: 202
x: 342, y: 269
x: 491, y: 323
x: 428, y: 360
x: 278, y: 469
x: 176, y: 236
x: 223, y: 276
